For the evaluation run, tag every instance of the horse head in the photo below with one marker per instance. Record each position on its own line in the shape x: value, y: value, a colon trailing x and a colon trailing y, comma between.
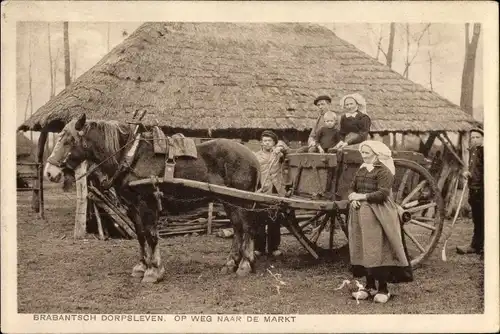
x: 100, y: 142
x: 70, y: 150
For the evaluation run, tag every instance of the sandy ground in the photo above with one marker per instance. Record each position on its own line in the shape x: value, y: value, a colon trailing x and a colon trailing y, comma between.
x: 59, y: 274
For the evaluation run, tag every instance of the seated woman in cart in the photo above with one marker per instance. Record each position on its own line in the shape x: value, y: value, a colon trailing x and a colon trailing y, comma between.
x: 354, y: 124
x: 376, y: 245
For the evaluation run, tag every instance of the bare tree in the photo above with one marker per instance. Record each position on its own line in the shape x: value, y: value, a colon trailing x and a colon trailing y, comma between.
x: 67, y: 74
x: 29, y: 99
x: 68, y: 180
x: 51, y: 67
x: 417, y: 40
x: 379, y: 43
x: 52, y: 82
x: 429, y: 57
x: 390, y: 48
x: 467, y: 93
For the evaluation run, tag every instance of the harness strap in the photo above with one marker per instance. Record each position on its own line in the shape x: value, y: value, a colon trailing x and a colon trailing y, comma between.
x: 126, y: 164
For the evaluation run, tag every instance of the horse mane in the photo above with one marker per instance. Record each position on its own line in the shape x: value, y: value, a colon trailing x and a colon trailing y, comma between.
x: 112, y: 131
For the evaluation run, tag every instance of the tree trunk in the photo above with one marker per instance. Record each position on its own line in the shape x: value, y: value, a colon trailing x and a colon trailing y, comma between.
x: 51, y: 67
x: 406, y: 72
x: 67, y: 68
x: 467, y: 93
x: 67, y: 181
x: 390, y: 49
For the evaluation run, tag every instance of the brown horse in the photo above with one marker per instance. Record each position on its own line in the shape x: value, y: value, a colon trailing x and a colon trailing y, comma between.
x: 219, y: 161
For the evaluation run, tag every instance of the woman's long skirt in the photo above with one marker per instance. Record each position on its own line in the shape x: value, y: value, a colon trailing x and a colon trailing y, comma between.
x: 376, y: 244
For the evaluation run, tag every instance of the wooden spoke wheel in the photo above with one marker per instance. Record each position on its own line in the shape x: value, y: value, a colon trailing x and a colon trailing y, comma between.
x: 417, y: 194
x: 324, y: 230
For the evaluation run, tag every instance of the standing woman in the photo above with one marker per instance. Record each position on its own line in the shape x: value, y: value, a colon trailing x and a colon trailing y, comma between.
x: 376, y: 246
x: 354, y: 123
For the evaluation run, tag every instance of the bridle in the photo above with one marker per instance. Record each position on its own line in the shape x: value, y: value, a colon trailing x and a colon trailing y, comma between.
x: 63, y: 163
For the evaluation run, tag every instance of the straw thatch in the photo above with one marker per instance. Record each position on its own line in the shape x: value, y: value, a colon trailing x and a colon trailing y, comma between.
x: 241, y: 77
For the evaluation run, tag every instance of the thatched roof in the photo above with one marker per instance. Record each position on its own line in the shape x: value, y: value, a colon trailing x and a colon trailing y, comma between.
x: 202, y: 76
x: 24, y: 146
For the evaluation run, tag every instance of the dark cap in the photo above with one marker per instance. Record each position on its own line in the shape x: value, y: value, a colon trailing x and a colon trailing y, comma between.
x: 270, y: 134
x: 322, y: 97
x: 478, y: 130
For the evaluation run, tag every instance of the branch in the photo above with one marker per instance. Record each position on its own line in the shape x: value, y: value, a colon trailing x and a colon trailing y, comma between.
x: 380, y: 49
x: 475, y: 35
x: 418, y: 44
x: 466, y: 36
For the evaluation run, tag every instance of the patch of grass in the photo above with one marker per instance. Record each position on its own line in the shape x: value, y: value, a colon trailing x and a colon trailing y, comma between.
x: 58, y: 274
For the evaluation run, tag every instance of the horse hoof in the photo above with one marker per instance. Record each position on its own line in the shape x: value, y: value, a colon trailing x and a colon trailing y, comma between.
x: 138, y: 270
x: 244, y: 270
x: 225, y: 270
x: 149, y: 279
x: 138, y: 274
x: 153, y: 275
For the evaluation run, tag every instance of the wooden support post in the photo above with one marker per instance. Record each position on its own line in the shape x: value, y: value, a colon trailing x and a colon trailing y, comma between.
x: 391, y: 140
x: 210, y: 217
x: 81, y: 202
x: 37, y: 198
x: 398, y: 141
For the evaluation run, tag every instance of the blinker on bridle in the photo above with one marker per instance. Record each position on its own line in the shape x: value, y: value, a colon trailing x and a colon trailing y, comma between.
x: 64, y: 162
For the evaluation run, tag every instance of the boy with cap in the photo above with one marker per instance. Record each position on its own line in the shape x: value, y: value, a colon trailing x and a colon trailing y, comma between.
x: 475, y: 176
x: 271, y: 179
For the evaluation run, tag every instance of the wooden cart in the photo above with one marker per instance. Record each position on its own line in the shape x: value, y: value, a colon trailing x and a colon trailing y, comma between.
x: 318, y: 183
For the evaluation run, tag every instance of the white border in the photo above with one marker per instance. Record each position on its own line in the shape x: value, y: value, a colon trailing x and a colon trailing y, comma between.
x: 448, y: 11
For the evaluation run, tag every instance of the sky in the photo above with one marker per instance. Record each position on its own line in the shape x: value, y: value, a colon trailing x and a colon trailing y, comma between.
x: 89, y: 42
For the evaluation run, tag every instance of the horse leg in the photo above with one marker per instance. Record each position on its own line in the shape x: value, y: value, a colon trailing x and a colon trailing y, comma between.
x: 247, y: 263
x: 235, y: 255
x: 139, y: 269
x: 154, y: 266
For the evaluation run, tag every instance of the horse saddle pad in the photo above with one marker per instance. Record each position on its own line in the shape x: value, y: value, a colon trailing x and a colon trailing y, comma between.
x: 175, y: 146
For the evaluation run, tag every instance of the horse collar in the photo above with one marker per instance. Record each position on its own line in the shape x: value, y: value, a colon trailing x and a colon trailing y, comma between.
x: 126, y: 163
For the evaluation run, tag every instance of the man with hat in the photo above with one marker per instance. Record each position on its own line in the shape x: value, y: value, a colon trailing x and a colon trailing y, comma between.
x: 323, y: 102
x: 271, y: 179
x: 475, y: 176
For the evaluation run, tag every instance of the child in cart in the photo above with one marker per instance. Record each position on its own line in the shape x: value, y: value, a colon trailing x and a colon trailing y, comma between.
x: 326, y: 137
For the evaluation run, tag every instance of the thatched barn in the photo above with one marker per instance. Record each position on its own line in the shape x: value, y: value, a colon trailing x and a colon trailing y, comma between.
x: 235, y: 80
x: 225, y: 79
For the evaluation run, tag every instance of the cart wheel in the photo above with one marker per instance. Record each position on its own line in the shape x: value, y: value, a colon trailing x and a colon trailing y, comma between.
x: 322, y: 230
x: 416, y: 191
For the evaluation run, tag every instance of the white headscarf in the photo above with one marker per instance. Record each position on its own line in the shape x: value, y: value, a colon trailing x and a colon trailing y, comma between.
x: 360, y: 100
x: 383, y: 153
